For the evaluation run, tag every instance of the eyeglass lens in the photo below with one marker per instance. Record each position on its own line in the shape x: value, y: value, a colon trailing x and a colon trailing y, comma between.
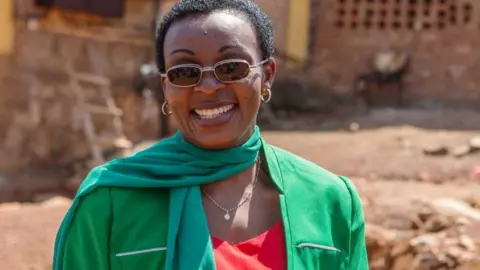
x: 225, y: 72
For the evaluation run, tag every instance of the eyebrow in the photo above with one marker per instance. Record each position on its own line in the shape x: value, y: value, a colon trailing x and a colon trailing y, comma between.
x: 182, y: 51
x: 222, y: 49
x: 232, y: 46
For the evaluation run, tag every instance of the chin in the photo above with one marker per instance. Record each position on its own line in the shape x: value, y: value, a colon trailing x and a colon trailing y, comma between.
x: 216, y: 140
x: 225, y: 137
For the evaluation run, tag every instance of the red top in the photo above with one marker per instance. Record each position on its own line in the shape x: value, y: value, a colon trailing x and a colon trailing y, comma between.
x: 266, y: 251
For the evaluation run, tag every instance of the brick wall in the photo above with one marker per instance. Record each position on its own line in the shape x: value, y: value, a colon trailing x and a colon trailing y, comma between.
x: 442, y: 37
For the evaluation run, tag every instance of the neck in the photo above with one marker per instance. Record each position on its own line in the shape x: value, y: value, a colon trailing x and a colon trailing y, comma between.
x: 244, y: 137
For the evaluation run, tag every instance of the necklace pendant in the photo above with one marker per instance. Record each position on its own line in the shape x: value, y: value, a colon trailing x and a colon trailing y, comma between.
x: 227, y: 216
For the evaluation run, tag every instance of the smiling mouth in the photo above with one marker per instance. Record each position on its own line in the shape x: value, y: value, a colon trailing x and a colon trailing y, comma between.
x: 212, y: 113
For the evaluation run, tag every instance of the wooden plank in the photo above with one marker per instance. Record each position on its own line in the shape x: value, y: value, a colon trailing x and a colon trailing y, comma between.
x: 92, y: 78
x: 98, y: 109
x: 88, y: 126
x: 118, y: 142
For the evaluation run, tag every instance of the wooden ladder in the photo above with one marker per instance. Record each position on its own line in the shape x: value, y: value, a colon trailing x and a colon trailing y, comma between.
x: 88, y: 110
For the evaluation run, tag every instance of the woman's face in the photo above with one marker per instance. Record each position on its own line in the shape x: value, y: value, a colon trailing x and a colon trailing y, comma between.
x: 214, y: 114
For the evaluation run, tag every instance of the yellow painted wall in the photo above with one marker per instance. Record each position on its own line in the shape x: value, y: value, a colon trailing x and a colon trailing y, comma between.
x: 6, y: 26
x: 298, y: 29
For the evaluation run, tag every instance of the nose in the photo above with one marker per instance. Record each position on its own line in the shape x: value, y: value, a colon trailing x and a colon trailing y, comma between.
x: 209, y: 84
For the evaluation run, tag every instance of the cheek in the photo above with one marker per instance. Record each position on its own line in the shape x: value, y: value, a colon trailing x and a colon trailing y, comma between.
x: 249, y: 99
x: 252, y: 88
x: 177, y: 98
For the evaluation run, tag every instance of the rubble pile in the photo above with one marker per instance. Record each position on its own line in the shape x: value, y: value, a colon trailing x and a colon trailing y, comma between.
x: 445, y: 234
x: 472, y: 146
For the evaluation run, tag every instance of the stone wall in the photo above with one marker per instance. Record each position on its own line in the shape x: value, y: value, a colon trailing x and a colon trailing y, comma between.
x: 40, y: 126
x: 39, y: 123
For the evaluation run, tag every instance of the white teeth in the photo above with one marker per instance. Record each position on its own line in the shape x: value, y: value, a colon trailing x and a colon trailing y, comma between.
x: 213, y: 113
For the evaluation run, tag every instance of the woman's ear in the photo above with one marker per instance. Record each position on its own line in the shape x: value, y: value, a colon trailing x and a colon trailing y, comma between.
x: 270, y: 68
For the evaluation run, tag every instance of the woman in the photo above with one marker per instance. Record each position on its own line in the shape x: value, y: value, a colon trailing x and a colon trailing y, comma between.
x: 215, y: 195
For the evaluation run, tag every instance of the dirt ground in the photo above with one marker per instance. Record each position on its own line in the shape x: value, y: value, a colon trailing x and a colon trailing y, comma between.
x: 387, y: 164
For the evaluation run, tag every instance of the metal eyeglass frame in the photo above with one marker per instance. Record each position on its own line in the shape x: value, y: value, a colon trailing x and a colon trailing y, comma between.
x: 204, y: 69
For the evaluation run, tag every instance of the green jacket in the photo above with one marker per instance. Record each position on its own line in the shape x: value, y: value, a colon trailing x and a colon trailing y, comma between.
x: 126, y: 228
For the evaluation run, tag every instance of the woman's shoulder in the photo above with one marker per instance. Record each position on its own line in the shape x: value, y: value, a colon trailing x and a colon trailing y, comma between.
x: 122, y: 208
x: 310, y: 176
x: 122, y: 197
x: 101, y: 192
x: 114, y: 182
x: 311, y: 187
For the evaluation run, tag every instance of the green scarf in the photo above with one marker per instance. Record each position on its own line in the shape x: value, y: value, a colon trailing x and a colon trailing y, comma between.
x: 177, y: 164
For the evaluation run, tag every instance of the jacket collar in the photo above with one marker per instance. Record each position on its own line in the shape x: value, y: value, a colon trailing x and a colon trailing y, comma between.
x: 273, y: 166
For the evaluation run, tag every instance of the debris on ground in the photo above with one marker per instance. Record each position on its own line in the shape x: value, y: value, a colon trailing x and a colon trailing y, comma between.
x: 475, y: 143
x: 444, y: 235
x: 435, y: 150
x: 354, y: 127
x: 472, y: 146
x: 461, y: 150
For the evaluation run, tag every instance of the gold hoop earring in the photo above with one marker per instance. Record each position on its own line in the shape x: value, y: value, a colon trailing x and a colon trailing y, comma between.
x: 267, y: 95
x: 164, y: 109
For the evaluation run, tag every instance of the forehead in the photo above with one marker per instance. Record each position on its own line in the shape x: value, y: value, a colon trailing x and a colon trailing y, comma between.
x: 206, y: 33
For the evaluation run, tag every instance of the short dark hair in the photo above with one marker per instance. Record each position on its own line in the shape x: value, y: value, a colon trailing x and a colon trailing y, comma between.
x: 259, y: 20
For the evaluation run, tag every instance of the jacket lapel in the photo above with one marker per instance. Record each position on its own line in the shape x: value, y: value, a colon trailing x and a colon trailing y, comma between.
x: 273, y: 165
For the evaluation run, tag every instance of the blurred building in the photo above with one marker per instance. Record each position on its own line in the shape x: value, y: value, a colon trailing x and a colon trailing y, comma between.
x: 326, y: 43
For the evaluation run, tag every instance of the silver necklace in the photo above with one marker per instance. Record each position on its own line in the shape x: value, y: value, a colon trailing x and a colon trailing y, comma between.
x: 243, y: 201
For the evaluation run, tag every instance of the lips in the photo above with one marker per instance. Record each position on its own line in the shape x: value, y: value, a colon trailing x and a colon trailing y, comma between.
x: 212, y: 113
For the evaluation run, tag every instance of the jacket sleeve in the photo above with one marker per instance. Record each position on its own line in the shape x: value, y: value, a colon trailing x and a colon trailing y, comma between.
x: 87, y: 239
x: 358, y: 259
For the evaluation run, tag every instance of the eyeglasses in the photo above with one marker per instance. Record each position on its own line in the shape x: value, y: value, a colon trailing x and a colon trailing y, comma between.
x: 227, y: 71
